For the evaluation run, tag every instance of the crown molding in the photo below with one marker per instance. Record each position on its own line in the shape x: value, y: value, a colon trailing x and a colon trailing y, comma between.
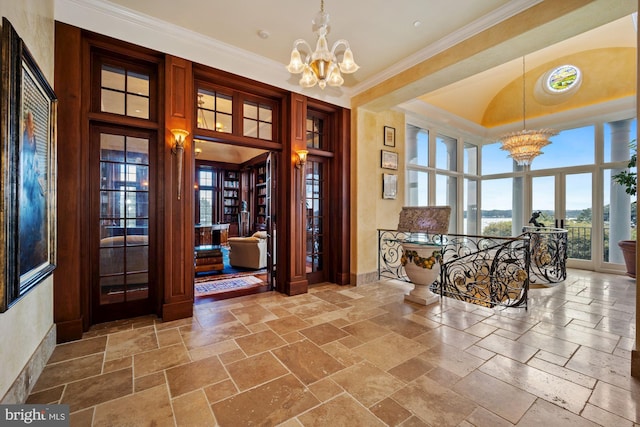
x: 104, y: 17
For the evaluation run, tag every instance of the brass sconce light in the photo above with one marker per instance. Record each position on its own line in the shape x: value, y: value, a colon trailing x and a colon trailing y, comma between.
x: 302, y: 158
x: 180, y: 135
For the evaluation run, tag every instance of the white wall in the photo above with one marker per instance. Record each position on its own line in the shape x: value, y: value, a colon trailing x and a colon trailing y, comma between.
x: 24, y: 326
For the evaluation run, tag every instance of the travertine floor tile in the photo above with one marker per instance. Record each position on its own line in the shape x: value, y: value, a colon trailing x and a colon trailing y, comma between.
x: 149, y: 407
x: 191, y: 376
x: 193, y: 410
x: 367, y: 383
x: 503, y: 399
x: 268, y: 404
x: 436, y: 405
x: 543, y: 413
x: 307, y: 361
x: 71, y: 370
x: 259, y: 342
x: 549, y: 387
x: 361, y: 356
x: 77, y: 349
x: 341, y: 411
x: 255, y: 370
x: 102, y: 388
x: 131, y: 342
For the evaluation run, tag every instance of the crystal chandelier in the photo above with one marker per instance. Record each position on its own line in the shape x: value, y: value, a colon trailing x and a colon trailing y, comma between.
x: 321, y: 66
x: 525, y: 145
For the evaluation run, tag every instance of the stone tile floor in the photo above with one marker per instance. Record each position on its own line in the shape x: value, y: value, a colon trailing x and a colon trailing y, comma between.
x: 361, y: 356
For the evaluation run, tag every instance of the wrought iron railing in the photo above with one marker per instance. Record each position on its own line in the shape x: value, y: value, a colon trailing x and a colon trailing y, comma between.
x: 484, y: 270
x: 548, y: 254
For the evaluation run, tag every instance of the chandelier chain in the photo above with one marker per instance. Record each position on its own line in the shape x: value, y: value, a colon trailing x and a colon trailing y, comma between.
x: 524, y: 95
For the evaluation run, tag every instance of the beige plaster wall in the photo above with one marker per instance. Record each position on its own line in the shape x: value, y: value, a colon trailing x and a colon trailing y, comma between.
x: 26, y: 324
x: 371, y: 210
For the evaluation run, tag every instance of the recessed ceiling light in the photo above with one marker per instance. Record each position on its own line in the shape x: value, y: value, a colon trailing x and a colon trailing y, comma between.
x: 417, y: 23
x: 263, y: 34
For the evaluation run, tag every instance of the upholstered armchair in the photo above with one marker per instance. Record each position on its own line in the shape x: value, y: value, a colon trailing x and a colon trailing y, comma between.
x: 248, y: 252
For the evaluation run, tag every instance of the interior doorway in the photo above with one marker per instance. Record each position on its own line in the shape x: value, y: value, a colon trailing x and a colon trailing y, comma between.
x: 234, y: 195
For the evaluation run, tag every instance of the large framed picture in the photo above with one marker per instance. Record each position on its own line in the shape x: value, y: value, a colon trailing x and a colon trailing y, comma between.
x: 28, y: 141
x: 389, y: 185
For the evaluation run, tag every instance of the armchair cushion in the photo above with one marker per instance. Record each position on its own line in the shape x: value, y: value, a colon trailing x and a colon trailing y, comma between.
x: 248, y: 252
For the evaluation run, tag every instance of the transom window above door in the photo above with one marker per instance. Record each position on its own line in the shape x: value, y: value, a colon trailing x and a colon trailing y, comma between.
x: 124, y: 92
x: 224, y: 110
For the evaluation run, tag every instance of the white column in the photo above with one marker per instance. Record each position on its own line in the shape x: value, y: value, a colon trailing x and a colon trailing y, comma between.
x: 517, y: 211
x: 620, y: 201
x: 411, y: 147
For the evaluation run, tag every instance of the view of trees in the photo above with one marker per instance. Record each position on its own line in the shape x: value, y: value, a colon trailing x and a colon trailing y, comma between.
x: 579, y: 229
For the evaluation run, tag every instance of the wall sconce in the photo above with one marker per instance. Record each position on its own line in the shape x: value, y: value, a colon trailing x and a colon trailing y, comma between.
x: 197, y: 151
x: 302, y: 158
x: 180, y: 135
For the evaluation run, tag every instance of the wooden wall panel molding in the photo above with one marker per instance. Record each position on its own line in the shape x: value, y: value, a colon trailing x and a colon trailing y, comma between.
x: 296, y: 281
x: 340, y: 233
x: 178, y: 221
x: 67, y: 278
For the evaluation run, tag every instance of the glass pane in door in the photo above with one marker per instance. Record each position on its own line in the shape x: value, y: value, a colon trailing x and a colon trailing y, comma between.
x: 543, y: 192
x: 314, y: 184
x: 578, y: 221
x: 124, y: 219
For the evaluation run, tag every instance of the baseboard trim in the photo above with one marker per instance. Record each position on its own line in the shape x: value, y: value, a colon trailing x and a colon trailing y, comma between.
x: 70, y: 330
x: 364, y: 278
x: 177, y: 310
x: 23, y: 384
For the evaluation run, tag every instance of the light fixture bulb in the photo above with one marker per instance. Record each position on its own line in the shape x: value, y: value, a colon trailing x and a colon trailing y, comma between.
x: 296, y: 65
x: 335, y: 79
x: 308, y: 79
x: 348, y: 65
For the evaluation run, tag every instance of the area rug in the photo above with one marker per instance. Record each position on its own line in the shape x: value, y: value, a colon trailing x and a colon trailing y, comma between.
x: 225, y: 285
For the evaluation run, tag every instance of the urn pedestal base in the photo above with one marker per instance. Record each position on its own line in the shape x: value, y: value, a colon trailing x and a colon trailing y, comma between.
x: 422, y: 265
x: 422, y: 295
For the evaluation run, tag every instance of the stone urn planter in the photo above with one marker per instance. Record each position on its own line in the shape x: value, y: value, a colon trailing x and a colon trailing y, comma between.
x: 628, y: 248
x: 421, y: 262
x: 422, y: 254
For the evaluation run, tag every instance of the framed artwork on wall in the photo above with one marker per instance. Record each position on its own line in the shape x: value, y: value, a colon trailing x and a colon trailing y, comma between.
x: 389, y: 160
x: 28, y: 141
x: 389, y: 136
x: 389, y: 185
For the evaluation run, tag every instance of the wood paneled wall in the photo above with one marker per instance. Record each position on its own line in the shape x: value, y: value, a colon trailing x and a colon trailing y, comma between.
x: 175, y: 219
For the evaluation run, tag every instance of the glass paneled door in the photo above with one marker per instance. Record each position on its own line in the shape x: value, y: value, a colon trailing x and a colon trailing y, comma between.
x: 315, y: 184
x: 121, y: 207
x: 565, y: 200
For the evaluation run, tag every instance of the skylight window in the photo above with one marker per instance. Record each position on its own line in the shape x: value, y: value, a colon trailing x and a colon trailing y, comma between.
x: 563, y: 78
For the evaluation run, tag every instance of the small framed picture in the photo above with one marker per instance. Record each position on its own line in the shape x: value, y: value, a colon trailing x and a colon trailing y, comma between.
x: 389, y: 136
x: 389, y: 185
x: 389, y: 160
